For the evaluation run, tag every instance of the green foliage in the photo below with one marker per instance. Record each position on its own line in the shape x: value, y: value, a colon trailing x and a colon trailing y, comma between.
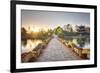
x: 81, y: 41
x: 58, y: 30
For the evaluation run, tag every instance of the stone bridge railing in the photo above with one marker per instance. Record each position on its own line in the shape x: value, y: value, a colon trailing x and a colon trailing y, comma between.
x: 82, y: 52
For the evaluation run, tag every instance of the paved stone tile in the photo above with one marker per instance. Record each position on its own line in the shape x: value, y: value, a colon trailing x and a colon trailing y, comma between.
x: 56, y: 51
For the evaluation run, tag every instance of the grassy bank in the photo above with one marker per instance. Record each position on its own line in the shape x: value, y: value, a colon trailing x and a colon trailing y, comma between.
x: 35, y: 53
x: 84, y: 53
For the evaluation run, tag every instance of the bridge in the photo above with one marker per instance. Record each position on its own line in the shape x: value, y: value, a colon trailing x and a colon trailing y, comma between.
x: 57, y: 51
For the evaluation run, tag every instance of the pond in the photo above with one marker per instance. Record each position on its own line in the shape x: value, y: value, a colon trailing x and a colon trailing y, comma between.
x: 81, y: 42
x: 29, y: 45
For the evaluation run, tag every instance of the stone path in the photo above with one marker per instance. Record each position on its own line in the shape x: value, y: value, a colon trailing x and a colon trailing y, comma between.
x: 56, y: 51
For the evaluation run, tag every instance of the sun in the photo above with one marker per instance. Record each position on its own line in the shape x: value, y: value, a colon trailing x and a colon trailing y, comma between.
x: 35, y: 29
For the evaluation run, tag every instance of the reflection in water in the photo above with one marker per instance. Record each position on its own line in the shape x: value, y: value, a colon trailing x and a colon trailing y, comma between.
x: 29, y: 45
x: 79, y: 41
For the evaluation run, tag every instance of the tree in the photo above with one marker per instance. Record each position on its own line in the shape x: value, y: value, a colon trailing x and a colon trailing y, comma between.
x: 23, y: 33
x: 58, y: 30
x: 23, y: 30
x: 49, y: 32
x: 69, y: 28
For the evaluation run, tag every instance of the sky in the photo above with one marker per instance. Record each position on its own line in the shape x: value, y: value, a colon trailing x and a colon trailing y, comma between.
x: 52, y: 19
